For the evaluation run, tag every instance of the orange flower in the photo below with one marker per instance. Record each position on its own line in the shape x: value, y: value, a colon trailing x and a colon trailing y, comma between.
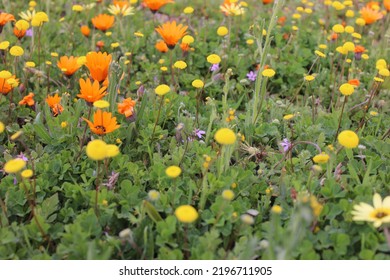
x: 386, y: 3
x: 103, y: 22
x: 85, y: 30
x: 126, y: 107
x: 354, y: 82
x: 19, y: 33
x: 103, y: 123
x: 91, y: 92
x: 373, y: 5
x: 267, y: 1
x: 185, y: 47
x: 359, y: 49
x: 4, y: 18
x: 155, y: 5
x: 68, y: 65
x: 161, y: 46
x: 54, y: 104
x: 171, y: 33
x: 120, y: 4
x: 370, y: 15
x: 98, y: 64
x: 99, y: 45
x: 5, y: 87
x: 28, y: 100
x: 282, y: 20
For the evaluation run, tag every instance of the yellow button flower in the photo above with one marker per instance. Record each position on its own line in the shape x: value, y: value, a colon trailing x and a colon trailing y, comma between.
x: 180, y: 64
x: 346, y: 89
x: 173, y: 171
x: 197, y: 83
x: 348, y: 139
x: 228, y: 195
x: 16, y: 51
x: 225, y: 136
x: 222, y: 31
x: 162, y: 89
x: 28, y: 173
x: 268, y: 73
x: 321, y: 158
x: 213, y: 59
x: 96, y: 149
x: 186, y: 214
x: 14, y: 165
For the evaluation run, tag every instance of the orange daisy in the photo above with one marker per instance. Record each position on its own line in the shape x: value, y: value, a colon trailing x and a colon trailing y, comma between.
x: 102, y: 123
x: 171, y: 33
x: 68, y: 65
x: 5, y: 87
x: 98, y: 64
x: 19, y: 33
x: 121, y: 4
x: 370, y: 15
x: 155, y: 5
x: 28, y: 100
x: 91, y: 92
x: 126, y: 107
x: 103, y: 22
x: 386, y: 3
x: 267, y: 1
x: 54, y: 104
x: 161, y: 46
x: 85, y: 30
x: 4, y: 18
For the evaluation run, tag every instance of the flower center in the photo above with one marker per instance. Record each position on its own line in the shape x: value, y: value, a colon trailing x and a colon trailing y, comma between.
x: 101, y: 128
x: 380, y: 215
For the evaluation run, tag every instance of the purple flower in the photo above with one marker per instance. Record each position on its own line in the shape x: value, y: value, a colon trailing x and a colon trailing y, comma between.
x: 29, y: 32
x: 252, y: 76
x: 286, y: 144
x: 199, y: 133
x: 22, y: 156
x: 214, y: 67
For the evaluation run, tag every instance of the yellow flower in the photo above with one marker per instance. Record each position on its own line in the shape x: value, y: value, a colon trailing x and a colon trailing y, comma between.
x: 384, y: 72
x: 164, y: 68
x: 349, y: 46
x: 162, y: 89
x: 39, y: 18
x: 30, y: 64
x: 268, y: 73
x: 4, y: 45
x: 173, y: 171
x: 197, y: 83
x: 213, y: 59
x: 16, y: 51
x: 348, y: 139
x: 64, y: 124
x: 186, y: 214
x: 222, y: 31
x: 250, y: 41
x: 225, y: 136
x: 350, y: 13
x: 16, y: 135
x: 180, y: 64
x: 320, y: 54
x: 247, y: 219
x: 309, y: 78
x: 14, y: 165
x: 153, y: 195
x: 288, y: 117
x: 276, y: 209
x: 4, y: 74
x: 380, y: 80
x: 96, y: 149
x: 228, y: 195
x: 321, y: 158
x: 22, y: 24
x: 101, y: 104
x: 380, y: 64
x: 77, y: 8
x: 338, y: 28
x: 188, y: 10
x: 349, y: 29
x: 112, y: 150
x: 2, y: 127
x: 28, y: 173
x: 374, y: 113
x: 378, y: 214
x: 346, y: 89
x: 360, y: 22
x: 188, y: 39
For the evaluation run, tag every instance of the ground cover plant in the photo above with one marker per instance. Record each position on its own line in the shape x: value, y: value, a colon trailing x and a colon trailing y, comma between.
x: 163, y: 129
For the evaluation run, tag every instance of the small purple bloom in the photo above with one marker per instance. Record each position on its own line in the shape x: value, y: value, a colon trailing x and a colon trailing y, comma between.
x: 29, y: 32
x: 214, y: 67
x: 286, y: 144
x: 252, y: 76
x: 22, y: 156
x: 199, y: 133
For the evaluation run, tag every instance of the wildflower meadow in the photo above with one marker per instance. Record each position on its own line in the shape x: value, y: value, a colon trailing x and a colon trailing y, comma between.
x: 195, y: 130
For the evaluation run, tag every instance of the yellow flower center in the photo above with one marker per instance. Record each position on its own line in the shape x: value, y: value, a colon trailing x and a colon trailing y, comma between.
x: 380, y: 213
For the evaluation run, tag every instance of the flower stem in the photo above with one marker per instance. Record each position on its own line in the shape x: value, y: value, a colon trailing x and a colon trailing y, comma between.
x: 158, y: 116
x: 341, y: 116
